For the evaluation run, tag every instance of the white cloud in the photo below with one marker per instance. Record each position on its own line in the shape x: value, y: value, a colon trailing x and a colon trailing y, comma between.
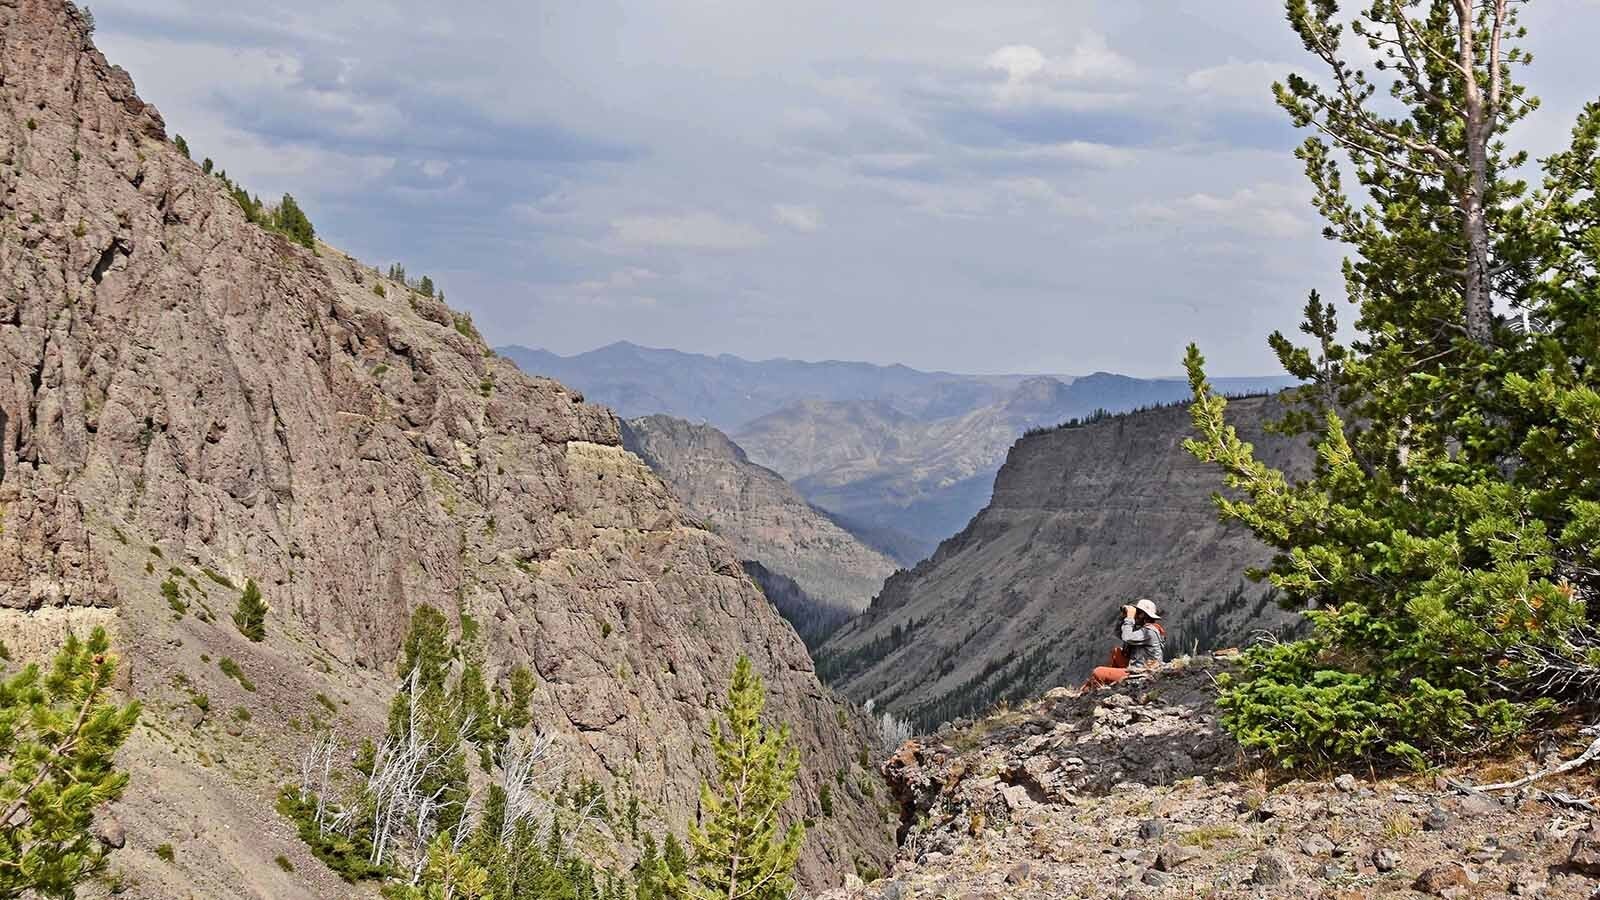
x: 1028, y: 70
x: 1073, y: 153
x: 692, y: 230
x: 1265, y: 210
x: 1020, y: 62
x: 800, y: 217
x: 1238, y: 82
x: 620, y: 289
x: 1088, y: 76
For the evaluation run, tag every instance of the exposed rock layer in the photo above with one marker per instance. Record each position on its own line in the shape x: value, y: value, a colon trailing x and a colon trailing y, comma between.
x: 183, y: 391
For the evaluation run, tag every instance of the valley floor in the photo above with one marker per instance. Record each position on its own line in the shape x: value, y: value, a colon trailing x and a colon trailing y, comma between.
x: 1135, y: 793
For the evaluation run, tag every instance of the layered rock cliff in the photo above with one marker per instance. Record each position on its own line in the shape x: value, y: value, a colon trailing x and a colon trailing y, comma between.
x: 764, y: 518
x: 188, y: 398
x: 1083, y: 519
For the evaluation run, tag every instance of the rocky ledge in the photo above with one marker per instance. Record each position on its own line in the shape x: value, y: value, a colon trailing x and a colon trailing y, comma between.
x: 1136, y: 792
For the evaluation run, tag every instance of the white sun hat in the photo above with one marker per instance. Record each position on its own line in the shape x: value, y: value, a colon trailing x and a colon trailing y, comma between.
x: 1148, y: 607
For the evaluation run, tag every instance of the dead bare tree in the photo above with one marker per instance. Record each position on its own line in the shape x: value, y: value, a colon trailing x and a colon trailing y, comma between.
x: 893, y: 731
x: 529, y: 772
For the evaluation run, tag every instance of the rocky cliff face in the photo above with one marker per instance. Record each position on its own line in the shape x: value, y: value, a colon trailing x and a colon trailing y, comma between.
x: 1083, y: 519
x: 761, y: 516
x: 186, y: 397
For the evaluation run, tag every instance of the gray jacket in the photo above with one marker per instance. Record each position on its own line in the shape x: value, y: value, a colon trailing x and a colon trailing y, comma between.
x: 1143, y: 644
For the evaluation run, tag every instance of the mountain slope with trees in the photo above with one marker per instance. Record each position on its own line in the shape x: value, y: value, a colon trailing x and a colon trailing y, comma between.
x: 1084, y: 519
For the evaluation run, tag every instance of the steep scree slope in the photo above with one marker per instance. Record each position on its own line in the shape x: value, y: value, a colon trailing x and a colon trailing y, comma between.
x: 1083, y: 519
x: 182, y: 393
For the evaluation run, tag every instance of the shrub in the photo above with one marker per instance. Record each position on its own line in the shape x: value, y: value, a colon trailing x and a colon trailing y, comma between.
x: 219, y: 579
x: 232, y: 670
x: 201, y: 702
x: 166, y: 852
x: 169, y: 590
x: 283, y: 862
x: 331, y: 706
x: 181, y: 144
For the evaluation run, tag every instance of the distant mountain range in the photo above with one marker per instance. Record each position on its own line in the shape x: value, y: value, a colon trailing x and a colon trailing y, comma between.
x: 903, y: 458
x: 727, y: 391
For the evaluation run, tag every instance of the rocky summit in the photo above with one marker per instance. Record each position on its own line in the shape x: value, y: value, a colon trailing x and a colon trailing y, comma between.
x: 1136, y: 793
x: 190, y: 402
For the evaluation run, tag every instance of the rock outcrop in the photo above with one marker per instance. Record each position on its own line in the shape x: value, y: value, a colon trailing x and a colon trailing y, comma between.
x: 758, y: 512
x: 189, y: 398
x: 1136, y: 793
x: 1083, y: 519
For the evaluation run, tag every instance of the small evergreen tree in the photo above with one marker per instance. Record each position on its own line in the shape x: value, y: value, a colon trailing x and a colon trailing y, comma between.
x: 741, y: 849
x: 425, y: 286
x: 58, y: 734
x: 250, y: 616
x: 292, y: 221
x: 181, y: 144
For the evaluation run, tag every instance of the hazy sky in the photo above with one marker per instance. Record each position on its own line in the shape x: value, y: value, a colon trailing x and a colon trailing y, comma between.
x: 1062, y: 186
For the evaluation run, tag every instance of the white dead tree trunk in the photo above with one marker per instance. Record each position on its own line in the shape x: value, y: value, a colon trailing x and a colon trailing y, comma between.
x: 528, y: 772
x: 895, y: 731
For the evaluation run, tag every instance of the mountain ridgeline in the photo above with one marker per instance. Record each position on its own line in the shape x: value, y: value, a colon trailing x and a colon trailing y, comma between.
x: 199, y: 408
x: 902, y: 458
x: 1084, y: 518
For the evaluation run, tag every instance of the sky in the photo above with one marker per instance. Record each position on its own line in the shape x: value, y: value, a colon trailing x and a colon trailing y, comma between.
x: 998, y: 186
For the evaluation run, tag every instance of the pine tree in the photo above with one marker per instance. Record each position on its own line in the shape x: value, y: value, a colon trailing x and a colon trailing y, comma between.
x: 292, y: 221
x: 1444, y: 537
x: 425, y: 286
x: 741, y: 849
x: 181, y: 144
x: 250, y: 616
x: 424, y: 665
x: 58, y: 735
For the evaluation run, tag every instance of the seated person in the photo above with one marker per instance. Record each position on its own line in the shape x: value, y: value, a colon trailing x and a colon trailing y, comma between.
x: 1141, y: 633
